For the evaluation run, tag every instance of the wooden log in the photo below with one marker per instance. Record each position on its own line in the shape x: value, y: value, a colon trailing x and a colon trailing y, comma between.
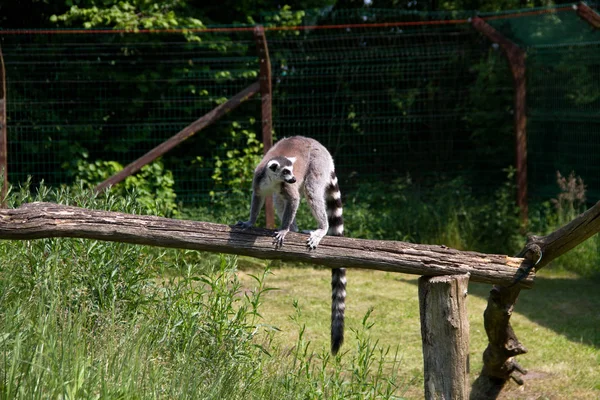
x: 46, y: 220
x: 499, y: 362
x: 445, y: 335
x: 188, y: 131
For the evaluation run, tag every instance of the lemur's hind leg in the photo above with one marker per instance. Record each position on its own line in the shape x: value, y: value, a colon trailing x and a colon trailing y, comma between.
x: 315, y: 197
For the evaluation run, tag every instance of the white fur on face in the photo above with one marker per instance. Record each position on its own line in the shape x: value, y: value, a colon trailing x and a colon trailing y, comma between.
x: 292, y: 159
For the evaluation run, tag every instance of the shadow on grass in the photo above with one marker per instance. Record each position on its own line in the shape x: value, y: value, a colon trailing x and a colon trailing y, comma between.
x: 568, y: 306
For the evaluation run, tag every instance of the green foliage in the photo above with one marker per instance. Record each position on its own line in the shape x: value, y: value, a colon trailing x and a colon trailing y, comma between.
x: 285, y: 16
x: 448, y: 213
x: 496, y: 225
x: 85, y: 318
x: 235, y: 171
x: 550, y: 216
x: 451, y: 98
x: 132, y: 15
x: 232, y: 173
x: 153, y: 185
x: 487, y: 116
x: 95, y: 276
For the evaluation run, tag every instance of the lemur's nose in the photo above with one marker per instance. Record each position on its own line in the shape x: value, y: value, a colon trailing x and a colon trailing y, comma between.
x: 291, y: 180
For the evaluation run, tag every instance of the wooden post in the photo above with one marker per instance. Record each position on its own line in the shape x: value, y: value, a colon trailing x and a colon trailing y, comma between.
x: 188, y: 131
x: 516, y: 58
x: 445, y: 335
x: 3, y: 134
x: 586, y: 13
x: 266, y: 106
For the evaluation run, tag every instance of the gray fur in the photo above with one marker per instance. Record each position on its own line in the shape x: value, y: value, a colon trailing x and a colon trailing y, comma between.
x: 298, y: 166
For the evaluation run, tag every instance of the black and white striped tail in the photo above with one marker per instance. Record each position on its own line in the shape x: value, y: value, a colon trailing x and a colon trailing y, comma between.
x: 338, y: 275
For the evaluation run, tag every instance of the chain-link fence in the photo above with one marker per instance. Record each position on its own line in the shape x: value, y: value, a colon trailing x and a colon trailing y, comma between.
x: 391, y: 93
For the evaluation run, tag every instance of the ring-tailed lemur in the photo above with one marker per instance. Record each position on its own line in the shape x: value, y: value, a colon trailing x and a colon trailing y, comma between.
x: 298, y: 165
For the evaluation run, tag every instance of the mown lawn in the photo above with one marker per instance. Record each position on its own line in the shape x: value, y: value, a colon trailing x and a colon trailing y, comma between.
x: 558, y: 321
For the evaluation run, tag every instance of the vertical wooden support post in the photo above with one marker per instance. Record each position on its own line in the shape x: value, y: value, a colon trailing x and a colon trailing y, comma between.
x: 3, y: 134
x: 445, y: 335
x: 516, y: 59
x: 586, y: 13
x: 266, y: 106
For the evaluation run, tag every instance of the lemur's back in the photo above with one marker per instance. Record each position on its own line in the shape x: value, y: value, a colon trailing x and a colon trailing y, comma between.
x: 306, y: 151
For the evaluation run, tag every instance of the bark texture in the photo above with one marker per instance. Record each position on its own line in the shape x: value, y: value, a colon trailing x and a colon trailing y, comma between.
x: 45, y: 220
x: 445, y: 335
x: 499, y: 360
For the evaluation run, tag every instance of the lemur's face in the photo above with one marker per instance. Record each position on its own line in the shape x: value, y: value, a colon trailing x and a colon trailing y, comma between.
x: 282, y: 169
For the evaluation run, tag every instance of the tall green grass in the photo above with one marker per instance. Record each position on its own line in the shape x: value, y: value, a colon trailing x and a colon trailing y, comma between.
x: 92, y: 319
x: 100, y: 320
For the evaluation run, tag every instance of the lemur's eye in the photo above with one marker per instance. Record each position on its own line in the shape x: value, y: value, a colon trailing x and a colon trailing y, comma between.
x: 286, y: 171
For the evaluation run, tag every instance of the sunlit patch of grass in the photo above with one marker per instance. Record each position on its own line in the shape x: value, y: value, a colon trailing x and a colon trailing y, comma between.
x: 547, y: 322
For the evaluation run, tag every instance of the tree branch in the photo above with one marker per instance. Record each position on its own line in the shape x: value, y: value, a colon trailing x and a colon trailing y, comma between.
x: 499, y: 362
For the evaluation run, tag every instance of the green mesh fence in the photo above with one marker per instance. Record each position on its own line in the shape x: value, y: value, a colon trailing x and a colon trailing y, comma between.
x: 114, y: 97
x: 391, y: 100
x: 391, y: 93
x: 563, y: 96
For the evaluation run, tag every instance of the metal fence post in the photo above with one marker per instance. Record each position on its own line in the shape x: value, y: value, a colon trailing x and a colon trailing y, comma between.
x: 266, y: 106
x: 3, y: 134
x: 516, y: 58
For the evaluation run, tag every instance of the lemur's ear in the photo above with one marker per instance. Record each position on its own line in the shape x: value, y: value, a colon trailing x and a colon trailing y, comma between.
x: 273, y: 165
x: 292, y: 159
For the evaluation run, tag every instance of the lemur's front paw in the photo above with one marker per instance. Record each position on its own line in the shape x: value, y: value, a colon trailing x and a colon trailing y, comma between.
x: 244, y: 224
x: 278, y: 238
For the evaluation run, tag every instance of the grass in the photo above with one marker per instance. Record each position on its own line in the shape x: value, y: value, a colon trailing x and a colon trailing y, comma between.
x: 97, y: 320
x: 558, y: 321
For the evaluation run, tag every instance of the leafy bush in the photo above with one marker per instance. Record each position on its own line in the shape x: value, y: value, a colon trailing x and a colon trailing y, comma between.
x: 234, y: 173
x: 448, y: 213
x: 232, y: 177
x: 153, y: 185
x: 550, y: 216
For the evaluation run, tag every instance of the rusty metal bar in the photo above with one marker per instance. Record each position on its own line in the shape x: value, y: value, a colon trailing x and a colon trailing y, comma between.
x: 516, y: 59
x: 3, y: 134
x: 586, y: 13
x: 266, y: 106
x: 187, y: 132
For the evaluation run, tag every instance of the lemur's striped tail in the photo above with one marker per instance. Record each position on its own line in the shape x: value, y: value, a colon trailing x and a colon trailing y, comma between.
x: 338, y: 275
